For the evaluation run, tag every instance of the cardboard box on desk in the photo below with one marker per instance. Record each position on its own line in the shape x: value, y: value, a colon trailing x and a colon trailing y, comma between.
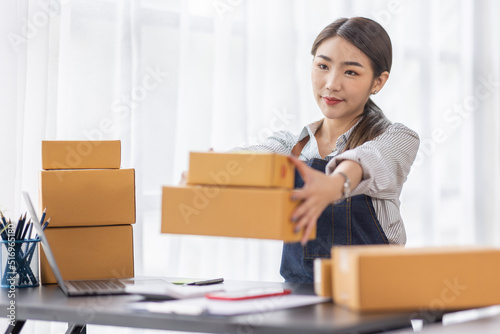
x: 97, y: 252
x: 241, y: 169
x: 61, y: 154
x: 229, y: 212
x: 382, y: 278
x: 323, y: 284
x: 88, y: 197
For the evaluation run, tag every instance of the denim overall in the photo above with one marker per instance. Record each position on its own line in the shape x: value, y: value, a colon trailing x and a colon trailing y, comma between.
x: 350, y: 222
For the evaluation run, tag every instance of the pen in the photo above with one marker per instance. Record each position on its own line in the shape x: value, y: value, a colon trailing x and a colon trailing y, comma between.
x: 207, y: 282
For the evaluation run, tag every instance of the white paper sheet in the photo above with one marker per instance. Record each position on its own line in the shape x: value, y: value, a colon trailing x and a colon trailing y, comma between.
x: 197, y: 306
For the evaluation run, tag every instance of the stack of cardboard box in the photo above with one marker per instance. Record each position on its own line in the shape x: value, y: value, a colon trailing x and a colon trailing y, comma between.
x: 91, y: 204
x: 234, y: 195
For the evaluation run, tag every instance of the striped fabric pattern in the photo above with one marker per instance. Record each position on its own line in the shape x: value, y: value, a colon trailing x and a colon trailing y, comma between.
x: 386, y: 162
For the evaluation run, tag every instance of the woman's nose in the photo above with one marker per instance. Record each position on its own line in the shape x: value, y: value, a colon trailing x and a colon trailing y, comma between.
x: 333, y: 81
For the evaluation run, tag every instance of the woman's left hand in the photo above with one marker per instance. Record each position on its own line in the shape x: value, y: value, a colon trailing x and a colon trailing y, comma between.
x: 318, y: 191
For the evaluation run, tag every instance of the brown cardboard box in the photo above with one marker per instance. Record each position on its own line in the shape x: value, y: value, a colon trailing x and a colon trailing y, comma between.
x: 97, y: 252
x: 323, y: 283
x: 229, y: 212
x: 241, y: 169
x: 88, y: 197
x: 381, y: 278
x: 60, y: 154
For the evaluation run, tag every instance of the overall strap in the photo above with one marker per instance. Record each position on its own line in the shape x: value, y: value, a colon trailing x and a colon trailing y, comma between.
x: 297, y: 149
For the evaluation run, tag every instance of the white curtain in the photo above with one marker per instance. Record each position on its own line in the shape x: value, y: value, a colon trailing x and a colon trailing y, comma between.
x: 169, y: 77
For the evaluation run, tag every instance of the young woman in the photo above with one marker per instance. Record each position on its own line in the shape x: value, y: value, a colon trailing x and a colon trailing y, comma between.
x: 351, y: 165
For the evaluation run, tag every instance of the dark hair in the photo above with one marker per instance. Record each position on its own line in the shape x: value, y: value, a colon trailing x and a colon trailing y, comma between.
x: 371, y: 38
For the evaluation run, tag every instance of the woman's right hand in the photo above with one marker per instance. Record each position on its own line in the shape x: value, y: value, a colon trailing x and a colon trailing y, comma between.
x: 184, y: 175
x: 183, y: 180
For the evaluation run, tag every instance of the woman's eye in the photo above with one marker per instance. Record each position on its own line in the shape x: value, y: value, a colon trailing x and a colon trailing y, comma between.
x: 351, y: 73
x: 322, y: 67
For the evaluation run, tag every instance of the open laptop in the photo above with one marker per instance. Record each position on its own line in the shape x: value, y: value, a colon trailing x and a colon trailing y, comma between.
x: 75, y: 287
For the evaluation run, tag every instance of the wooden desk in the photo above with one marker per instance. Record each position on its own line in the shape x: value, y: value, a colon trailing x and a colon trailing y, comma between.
x: 50, y: 304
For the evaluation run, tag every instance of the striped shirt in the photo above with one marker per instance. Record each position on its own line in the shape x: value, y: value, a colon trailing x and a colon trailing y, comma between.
x: 386, y: 161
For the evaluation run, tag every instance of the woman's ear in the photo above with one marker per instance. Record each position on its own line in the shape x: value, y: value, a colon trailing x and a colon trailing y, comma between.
x: 380, y: 81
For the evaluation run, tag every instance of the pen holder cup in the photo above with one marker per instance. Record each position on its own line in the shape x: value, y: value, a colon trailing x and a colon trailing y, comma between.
x: 19, y: 263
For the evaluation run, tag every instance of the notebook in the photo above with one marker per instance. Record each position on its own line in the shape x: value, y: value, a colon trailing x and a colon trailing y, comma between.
x: 80, y: 287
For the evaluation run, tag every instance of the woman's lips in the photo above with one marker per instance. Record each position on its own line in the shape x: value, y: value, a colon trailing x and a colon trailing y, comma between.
x: 331, y: 100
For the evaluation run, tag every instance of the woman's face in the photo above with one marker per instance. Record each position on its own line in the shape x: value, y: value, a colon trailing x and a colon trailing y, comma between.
x: 342, y: 79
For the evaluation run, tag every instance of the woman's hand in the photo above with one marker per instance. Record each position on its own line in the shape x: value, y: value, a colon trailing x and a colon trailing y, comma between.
x: 183, y: 180
x: 184, y: 174
x: 318, y: 191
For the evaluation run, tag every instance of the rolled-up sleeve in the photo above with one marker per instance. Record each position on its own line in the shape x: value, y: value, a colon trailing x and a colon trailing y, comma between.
x: 280, y: 142
x: 386, y: 161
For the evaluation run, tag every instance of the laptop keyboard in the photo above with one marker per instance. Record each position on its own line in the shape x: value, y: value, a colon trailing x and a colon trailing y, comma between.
x: 96, y: 285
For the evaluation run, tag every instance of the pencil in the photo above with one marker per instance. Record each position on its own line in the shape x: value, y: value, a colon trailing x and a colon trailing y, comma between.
x: 19, y: 228
x: 5, y: 236
x: 30, y: 229
x: 43, y: 216
x: 1, y: 232
x: 46, y: 224
x: 3, y: 218
x: 26, y: 227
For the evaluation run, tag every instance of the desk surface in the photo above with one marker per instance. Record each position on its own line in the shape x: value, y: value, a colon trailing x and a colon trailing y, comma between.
x: 50, y: 304
x: 484, y: 321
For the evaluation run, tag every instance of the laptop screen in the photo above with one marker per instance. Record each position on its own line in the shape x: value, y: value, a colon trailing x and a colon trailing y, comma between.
x: 45, y: 243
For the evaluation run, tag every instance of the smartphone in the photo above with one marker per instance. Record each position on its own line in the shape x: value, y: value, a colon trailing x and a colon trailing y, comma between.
x: 248, y: 294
